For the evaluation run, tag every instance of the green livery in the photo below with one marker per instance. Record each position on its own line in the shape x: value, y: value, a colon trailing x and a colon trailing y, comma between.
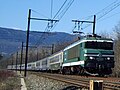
x: 93, y: 55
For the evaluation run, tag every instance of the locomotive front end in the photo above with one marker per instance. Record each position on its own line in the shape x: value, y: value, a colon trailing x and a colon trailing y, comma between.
x: 99, y: 56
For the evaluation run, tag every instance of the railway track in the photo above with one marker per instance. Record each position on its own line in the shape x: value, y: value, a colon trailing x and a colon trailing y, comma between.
x: 82, y: 81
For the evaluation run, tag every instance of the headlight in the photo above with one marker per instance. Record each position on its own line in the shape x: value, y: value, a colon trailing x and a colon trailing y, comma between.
x: 91, y: 58
x: 108, y: 58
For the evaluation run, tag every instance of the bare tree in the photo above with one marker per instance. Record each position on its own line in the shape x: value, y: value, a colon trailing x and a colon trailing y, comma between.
x: 116, y: 70
x: 104, y: 34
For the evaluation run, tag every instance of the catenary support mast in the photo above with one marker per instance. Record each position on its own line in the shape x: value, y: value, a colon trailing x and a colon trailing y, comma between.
x: 28, y: 30
x: 27, y: 41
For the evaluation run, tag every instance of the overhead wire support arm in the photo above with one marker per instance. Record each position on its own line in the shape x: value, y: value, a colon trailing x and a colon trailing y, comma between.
x: 78, y: 21
x: 48, y: 20
x: 44, y: 19
x: 81, y: 21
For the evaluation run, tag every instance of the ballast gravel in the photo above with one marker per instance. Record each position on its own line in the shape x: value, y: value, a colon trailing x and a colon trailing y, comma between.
x: 34, y: 82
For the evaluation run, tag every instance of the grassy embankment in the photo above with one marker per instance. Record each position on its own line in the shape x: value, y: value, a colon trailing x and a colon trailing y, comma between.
x: 9, y: 80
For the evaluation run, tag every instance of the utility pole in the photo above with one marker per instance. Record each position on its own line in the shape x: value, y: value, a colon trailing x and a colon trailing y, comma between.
x: 12, y: 62
x: 16, y: 60
x: 78, y: 21
x: 52, y: 48
x: 27, y: 41
x: 21, y: 57
x: 37, y: 54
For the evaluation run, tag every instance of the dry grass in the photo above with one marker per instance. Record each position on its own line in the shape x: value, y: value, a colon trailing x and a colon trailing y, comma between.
x: 9, y: 80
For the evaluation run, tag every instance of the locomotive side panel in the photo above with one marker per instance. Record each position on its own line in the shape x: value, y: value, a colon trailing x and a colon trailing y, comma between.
x: 73, y: 55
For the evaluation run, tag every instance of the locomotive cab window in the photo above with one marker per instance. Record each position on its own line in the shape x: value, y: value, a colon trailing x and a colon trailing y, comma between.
x: 81, y: 45
x: 99, y: 45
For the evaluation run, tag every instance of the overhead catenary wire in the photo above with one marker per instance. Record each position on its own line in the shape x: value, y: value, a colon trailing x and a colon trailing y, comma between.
x: 106, y: 7
x: 106, y: 11
x: 114, y: 6
x: 60, y: 9
x: 47, y: 27
x: 110, y: 16
x: 38, y: 13
x: 61, y: 12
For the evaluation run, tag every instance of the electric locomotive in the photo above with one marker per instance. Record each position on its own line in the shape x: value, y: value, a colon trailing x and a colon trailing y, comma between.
x: 92, y: 55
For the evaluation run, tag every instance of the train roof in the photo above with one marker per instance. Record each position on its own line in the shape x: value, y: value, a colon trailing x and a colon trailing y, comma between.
x: 89, y: 39
x: 55, y: 53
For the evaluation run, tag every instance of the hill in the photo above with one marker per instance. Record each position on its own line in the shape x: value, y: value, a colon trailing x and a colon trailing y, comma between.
x: 11, y: 39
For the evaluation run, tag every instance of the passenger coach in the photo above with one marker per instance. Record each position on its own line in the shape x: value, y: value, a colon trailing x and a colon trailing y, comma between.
x: 55, y: 61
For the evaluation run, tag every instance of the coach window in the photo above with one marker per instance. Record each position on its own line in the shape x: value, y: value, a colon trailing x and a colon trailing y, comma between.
x: 38, y: 64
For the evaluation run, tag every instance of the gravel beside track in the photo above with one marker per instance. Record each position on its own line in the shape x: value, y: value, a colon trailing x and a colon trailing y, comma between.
x: 34, y: 82
x: 40, y: 81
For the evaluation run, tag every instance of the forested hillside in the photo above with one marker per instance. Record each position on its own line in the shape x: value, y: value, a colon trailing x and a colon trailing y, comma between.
x: 11, y: 39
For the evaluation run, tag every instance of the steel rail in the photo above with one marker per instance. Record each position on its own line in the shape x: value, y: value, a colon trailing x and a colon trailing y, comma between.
x: 83, y: 82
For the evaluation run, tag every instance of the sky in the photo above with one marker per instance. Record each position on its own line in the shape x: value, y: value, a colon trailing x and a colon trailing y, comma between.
x: 14, y: 14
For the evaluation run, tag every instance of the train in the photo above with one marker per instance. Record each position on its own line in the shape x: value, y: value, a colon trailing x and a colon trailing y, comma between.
x: 93, y: 55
